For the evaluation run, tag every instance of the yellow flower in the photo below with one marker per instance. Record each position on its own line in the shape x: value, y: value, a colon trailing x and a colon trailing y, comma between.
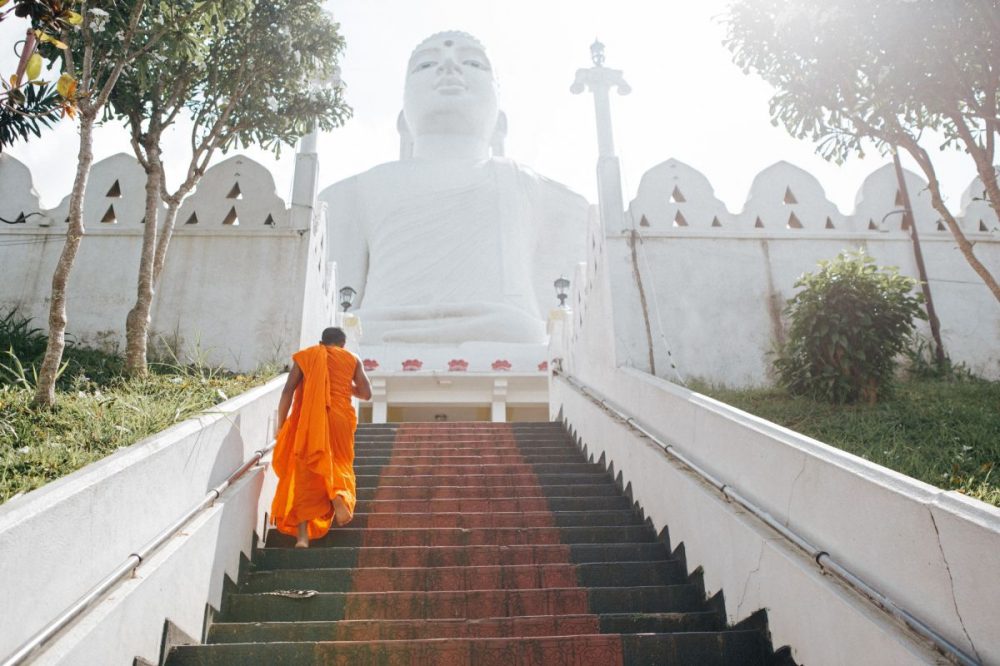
x: 34, y: 68
x: 74, y: 18
x: 66, y: 86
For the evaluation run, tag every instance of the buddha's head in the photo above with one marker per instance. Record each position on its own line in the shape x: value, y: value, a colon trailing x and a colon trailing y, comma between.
x: 450, y: 88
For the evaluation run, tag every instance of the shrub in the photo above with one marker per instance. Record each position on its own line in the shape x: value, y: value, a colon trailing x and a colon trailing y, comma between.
x: 847, y: 325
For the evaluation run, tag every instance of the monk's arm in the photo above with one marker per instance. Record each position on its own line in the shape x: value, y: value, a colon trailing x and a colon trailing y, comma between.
x: 361, y: 387
x: 285, y: 402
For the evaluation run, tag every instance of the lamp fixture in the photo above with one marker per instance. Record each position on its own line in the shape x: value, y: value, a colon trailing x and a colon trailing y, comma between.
x: 562, y: 290
x: 347, y: 295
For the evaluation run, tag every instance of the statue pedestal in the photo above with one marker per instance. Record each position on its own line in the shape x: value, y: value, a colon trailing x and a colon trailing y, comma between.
x: 471, y: 381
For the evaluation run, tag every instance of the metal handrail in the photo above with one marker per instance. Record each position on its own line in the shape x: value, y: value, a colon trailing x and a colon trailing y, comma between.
x: 822, y: 559
x: 40, y: 640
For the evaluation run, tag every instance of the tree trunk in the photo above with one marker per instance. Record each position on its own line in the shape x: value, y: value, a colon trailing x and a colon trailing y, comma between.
x: 137, y: 323
x: 918, y: 255
x: 45, y: 391
x: 964, y: 246
x: 166, y: 233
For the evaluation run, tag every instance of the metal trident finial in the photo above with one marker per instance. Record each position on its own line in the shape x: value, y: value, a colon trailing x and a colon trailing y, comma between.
x: 597, y: 52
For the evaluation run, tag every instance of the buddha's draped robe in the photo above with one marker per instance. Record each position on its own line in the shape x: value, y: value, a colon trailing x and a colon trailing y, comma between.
x: 314, y: 455
x: 452, y: 251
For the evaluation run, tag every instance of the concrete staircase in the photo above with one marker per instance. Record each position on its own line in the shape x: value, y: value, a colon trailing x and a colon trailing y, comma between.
x: 477, y: 543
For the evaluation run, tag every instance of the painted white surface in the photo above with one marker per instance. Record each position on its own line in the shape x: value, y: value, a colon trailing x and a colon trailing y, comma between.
x: 716, y: 284
x: 60, y: 540
x: 176, y: 583
x: 932, y: 552
x: 239, y: 295
x: 823, y: 622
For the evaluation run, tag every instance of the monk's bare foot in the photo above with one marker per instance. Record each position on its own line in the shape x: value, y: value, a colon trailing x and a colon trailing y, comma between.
x: 341, y: 514
x: 303, y: 540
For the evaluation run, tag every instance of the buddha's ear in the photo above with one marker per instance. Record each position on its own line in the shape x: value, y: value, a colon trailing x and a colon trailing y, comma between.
x: 405, y: 138
x: 499, y: 135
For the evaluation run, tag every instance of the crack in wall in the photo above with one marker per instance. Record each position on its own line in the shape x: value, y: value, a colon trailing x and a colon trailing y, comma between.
x: 746, y: 583
x: 951, y: 580
x: 791, y: 492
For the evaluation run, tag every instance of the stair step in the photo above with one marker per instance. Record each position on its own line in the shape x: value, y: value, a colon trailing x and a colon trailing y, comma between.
x: 746, y: 648
x: 493, y: 519
x: 448, y: 556
x: 490, y: 480
x: 467, y: 445
x: 361, y: 455
x: 504, y: 627
x: 476, y: 505
x: 489, y: 577
x: 463, y: 491
x: 499, y: 536
x: 470, y: 604
x: 445, y: 468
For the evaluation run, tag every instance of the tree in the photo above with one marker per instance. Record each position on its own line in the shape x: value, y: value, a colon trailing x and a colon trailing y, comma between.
x: 248, y: 76
x: 94, y: 66
x: 888, y: 71
x: 848, y: 324
x: 27, y: 103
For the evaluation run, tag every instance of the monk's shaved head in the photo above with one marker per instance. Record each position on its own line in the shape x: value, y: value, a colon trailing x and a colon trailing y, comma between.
x: 334, y: 336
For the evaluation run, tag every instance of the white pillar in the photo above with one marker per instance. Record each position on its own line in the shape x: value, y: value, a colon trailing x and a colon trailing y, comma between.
x: 305, y: 182
x: 380, y: 401
x: 499, y: 412
x: 600, y: 80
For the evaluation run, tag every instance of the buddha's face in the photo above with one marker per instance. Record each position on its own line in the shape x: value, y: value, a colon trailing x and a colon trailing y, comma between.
x: 450, y: 89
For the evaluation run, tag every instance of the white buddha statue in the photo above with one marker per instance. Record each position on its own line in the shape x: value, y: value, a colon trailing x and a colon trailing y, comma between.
x: 453, y: 243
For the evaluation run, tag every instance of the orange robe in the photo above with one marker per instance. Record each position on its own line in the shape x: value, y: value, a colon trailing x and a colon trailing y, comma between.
x: 314, y: 455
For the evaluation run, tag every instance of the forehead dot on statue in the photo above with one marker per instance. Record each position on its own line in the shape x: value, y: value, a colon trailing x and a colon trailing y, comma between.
x: 448, y: 42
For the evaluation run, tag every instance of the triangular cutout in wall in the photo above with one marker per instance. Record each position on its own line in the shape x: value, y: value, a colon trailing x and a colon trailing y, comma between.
x: 789, y: 197
x: 232, y: 219
x: 109, y: 216
x: 115, y: 191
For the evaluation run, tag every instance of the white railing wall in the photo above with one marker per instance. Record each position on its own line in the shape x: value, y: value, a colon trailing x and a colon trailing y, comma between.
x: 60, y: 540
x: 931, y: 552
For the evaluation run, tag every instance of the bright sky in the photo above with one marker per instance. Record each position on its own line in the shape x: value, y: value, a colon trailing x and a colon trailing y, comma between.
x: 688, y: 102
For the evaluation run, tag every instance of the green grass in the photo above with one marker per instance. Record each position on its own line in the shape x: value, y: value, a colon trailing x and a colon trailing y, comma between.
x: 944, y: 432
x: 98, y: 409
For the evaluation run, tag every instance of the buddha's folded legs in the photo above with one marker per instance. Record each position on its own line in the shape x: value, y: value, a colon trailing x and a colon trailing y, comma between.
x: 451, y: 323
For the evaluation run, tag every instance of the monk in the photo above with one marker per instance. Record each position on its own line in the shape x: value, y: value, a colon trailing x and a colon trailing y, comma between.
x: 314, y: 455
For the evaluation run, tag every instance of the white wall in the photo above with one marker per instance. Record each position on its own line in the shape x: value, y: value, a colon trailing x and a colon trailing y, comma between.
x: 60, y: 540
x: 933, y: 552
x: 238, y: 295
x: 715, y: 283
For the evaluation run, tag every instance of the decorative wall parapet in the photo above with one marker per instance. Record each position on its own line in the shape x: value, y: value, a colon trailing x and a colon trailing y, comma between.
x: 977, y: 213
x: 237, y: 192
x: 236, y: 196
x: 18, y: 199
x: 673, y: 198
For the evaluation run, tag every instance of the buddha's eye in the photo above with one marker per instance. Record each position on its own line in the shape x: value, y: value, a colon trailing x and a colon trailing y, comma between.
x: 474, y: 63
x: 424, y: 65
